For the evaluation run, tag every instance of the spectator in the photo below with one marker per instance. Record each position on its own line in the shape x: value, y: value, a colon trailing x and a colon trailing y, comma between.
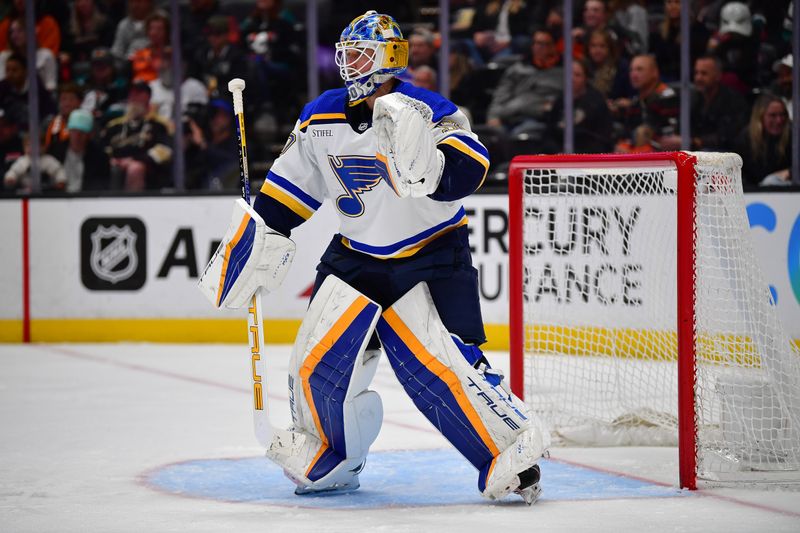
x: 470, y: 89
x: 85, y: 163
x: 595, y: 16
x: 195, y: 24
x: 106, y: 92
x: 270, y: 31
x: 14, y: 92
x: 70, y: 97
x: 788, y: 28
x: 10, y: 142
x: 737, y: 48
x: 421, y: 52
x: 542, y: 10
x: 148, y: 61
x: 193, y: 92
x: 665, y: 42
x: 195, y: 154
x: 138, y: 144
x: 642, y: 140
x: 528, y: 88
x: 88, y: 28
x: 218, y: 61
x: 766, y: 144
x: 425, y: 77
x: 130, y: 34
x: 718, y: 112
x: 632, y: 17
x: 772, y: 17
x: 501, y: 27
x: 48, y: 33
x: 222, y: 152
x: 608, y: 73
x: 19, y: 177
x: 782, y: 86
x: 591, y: 117
x: 116, y: 11
x: 655, y: 105
x: 46, y: 65
x: 276, y: 53
x: 422, y: 49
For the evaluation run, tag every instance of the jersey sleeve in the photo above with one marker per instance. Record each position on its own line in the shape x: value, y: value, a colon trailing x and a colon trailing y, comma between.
x: 466, y: 158
x: 293, y: 189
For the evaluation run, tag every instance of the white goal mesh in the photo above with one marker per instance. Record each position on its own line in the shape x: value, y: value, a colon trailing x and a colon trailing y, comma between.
x: 599, y: 314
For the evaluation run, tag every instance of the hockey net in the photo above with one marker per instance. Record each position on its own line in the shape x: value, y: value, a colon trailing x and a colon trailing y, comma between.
x: 639, y: 315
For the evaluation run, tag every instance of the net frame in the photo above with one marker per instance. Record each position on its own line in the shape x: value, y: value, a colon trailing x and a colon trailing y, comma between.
x: 686, y: 197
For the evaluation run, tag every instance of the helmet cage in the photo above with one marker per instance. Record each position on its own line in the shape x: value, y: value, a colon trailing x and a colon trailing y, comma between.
x: 370, y: 51
x: 357, y: 59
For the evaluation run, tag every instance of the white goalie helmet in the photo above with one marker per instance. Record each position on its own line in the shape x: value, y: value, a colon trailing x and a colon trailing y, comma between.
x: 370, y: 51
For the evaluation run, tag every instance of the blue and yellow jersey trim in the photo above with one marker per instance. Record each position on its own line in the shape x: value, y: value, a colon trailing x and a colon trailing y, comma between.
x: 471, y: 148
x: 410, y: 246
x: 327, y: 108
x: 322, y: 118
x: 290, y: 195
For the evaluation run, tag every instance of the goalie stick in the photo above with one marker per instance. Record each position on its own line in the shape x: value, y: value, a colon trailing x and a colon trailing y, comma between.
x: 255, y: 323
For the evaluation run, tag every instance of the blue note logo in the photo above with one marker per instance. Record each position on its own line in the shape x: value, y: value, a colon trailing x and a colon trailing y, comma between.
x: 358, y: 175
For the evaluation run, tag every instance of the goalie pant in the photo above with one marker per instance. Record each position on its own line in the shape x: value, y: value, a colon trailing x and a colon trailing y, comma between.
x: 336, y: 418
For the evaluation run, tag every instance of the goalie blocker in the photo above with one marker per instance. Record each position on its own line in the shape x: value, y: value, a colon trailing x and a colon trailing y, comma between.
x: 336, y: 418
x: 250, y: 256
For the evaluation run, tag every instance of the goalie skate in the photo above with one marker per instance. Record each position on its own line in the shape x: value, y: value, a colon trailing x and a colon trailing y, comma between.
x: 529, y: 488
x: 340, y: 487
x: 516, y: 469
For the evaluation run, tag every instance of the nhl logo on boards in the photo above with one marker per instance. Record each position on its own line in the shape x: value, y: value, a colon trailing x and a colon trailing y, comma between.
x: 116, y: 261
x: 113, y: 254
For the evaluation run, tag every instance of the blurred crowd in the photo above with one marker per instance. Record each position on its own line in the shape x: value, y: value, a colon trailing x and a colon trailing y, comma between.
x: 506, y: 67
x: 106, y: 82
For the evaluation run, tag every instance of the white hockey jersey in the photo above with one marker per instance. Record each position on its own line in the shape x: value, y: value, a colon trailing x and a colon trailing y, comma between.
x: 326, y: 157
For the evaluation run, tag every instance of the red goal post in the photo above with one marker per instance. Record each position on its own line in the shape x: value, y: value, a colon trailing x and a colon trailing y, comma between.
x: 737, y: 414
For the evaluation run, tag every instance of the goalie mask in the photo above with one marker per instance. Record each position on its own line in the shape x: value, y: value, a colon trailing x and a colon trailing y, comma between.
x: 370, y: 51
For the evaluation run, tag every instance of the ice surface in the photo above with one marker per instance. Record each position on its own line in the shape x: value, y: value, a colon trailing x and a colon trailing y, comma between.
x: 126, y: 437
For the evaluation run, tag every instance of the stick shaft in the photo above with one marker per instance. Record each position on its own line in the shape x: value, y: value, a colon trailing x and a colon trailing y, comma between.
x: 238, y: 109
x: 255, y: 333
x: 255, y: 322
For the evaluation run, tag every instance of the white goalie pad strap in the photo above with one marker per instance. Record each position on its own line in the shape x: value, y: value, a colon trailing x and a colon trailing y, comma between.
x: 335, y: 418
x: 250, y: 256
x: 480, y: 419
x: 406, y: 148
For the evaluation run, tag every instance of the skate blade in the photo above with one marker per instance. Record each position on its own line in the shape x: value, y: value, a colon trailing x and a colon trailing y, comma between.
x: 530, y: 494
x: 329, y: 491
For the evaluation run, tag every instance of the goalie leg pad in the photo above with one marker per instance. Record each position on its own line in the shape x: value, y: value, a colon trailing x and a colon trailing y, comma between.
x: 335, y: 418
x: 470, y: 406
x: 250, y: 256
